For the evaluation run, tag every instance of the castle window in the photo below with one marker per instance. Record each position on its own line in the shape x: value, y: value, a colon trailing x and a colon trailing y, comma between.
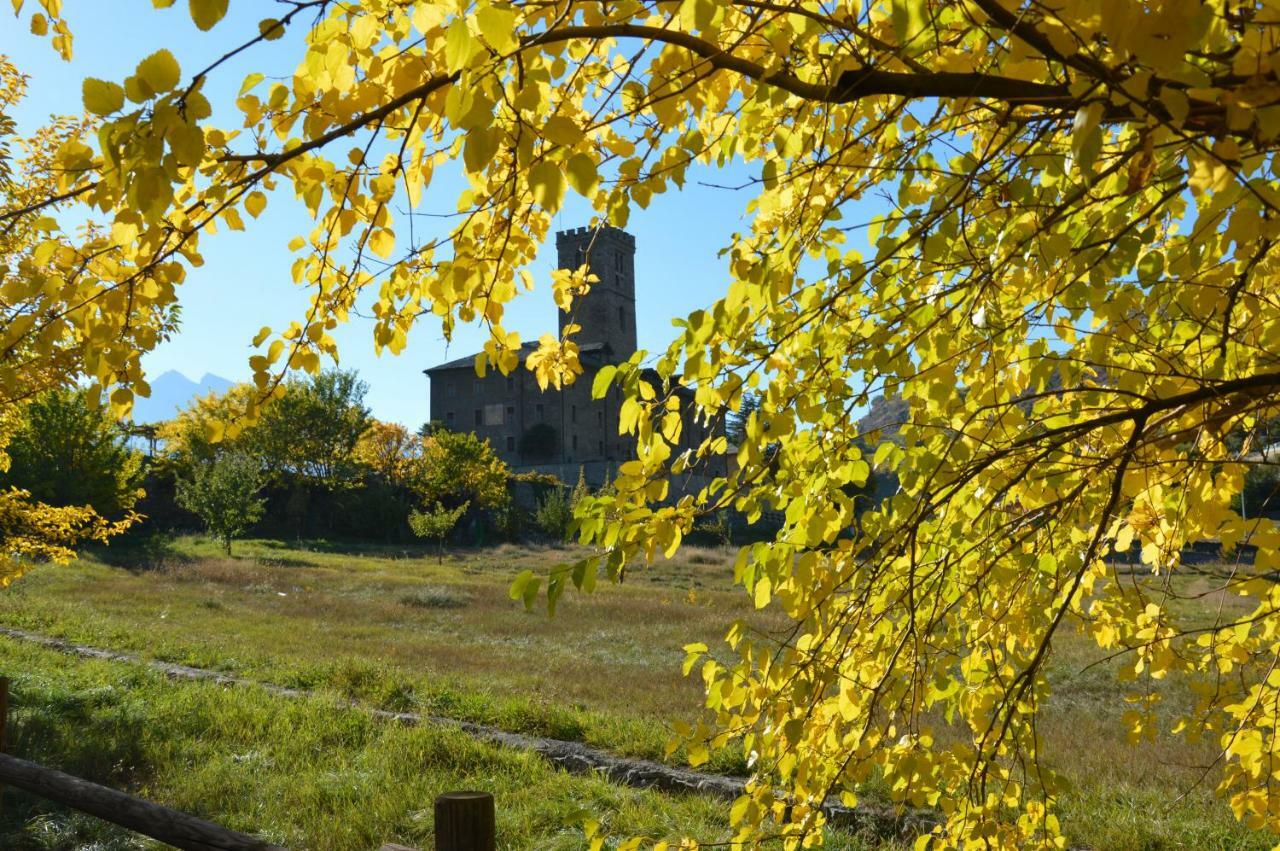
x: 511, y: 382
x: 600, y: 418
x: 479, y: 417
x: 450, y: 389
x: 617, y: 262
x: 573, y: 414
x: 580, y: 257
x: 575, y: 441
x: 476, y: 387
x: 511, y: 413
x: 511, y: 443
x: 448, y: 418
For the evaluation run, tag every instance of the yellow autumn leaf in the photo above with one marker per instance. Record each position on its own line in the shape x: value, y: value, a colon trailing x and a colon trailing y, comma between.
x: 460, y: 45
x: 582, y: 175
x: 382, y: 242
x: 562, y: 130
x: 547, y: 182
x: 207, y: 13
x: 255, y: 202
x: 160, y: 70
x: 101, y: 97
x: 498, y: 27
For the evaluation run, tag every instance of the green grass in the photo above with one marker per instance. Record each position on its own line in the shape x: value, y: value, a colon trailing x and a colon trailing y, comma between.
x: 398, y: 630
x: 392, y: 628
x: 303, y: 773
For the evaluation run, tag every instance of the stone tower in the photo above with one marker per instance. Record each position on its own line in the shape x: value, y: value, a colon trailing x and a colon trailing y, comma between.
x: 608, y: 312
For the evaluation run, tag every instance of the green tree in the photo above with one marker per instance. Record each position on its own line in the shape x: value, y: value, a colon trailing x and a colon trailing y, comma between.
x: 436, y: 523
x: 456, y: 468
x: 224, y: 494
x: 308, y: 436
x: 311, y: 432
x: 69, y: 452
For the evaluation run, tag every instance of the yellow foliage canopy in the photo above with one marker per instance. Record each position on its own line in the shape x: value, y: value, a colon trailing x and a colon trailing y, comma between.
x: 1071, y: 285
x: 38, y: 349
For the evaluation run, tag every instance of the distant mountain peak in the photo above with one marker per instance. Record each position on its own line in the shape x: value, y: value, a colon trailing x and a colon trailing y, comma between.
x: 209, y: 379
x: 171, y: 391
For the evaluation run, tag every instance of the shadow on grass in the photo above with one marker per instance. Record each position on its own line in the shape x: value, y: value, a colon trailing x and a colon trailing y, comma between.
x: 142, y: 552
x: 91, y: 732
x: 348, y: 548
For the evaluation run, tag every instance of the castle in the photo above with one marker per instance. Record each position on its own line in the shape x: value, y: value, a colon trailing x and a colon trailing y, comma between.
x: 560, y: 432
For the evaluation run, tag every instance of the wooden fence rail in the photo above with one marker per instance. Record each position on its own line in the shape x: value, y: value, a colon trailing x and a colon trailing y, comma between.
x: 175, y: 828
x: 464, y: 820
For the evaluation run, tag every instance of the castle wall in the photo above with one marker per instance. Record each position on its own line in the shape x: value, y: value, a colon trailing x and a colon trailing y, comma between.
x: 503, y: 409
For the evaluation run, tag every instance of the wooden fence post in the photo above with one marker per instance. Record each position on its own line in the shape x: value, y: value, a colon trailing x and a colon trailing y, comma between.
x: 465, y: 822
x: 4, y: 713
x: 4, y: 720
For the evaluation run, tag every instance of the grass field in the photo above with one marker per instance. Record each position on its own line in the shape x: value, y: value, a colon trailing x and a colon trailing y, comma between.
x: 392, y: 628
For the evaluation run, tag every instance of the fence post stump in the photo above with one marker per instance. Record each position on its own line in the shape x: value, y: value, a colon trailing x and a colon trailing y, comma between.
x: 465, y: 822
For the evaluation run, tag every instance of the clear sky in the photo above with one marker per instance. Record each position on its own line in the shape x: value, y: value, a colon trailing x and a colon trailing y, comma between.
x: 245, y: 282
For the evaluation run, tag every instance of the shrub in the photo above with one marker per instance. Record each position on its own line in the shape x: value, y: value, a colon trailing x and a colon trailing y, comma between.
x: 554, y: 513
x: 435, y: 597
x: 719, y: 526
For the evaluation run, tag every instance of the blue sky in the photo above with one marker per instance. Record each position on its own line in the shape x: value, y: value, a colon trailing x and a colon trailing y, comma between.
x: 245, y: 281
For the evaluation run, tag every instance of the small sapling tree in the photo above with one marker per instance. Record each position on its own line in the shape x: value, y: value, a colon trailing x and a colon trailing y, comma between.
x: 224, y: 493
x: 436, y: 523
